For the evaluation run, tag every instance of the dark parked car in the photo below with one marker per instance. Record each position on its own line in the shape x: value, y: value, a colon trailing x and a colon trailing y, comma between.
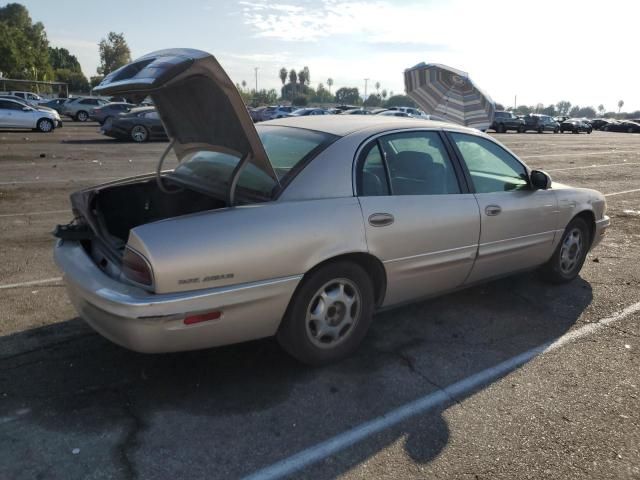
x: 102, y: 114
x: 540, y: 123
x: 140, y: 125
x: 561, y: 118
x: 623, y: 126
x: 505, y: 121
x: 356, y: 111
x: 575, y: 125
x: 600, y: 123
x: 56, y: 104
x: 303, y: 112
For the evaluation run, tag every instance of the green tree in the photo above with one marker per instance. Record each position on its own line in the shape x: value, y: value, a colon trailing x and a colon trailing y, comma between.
x: 620, y: 105
x: 114, y: 53
x: 322, y: 95
x: 24, y: 48
x: 373, y: 100
x: 95, y: 80
x: 400, y: 101
x: 329, y: 83
x: 263, y: 97
x: 384, y: 94
x: 549, y: 110
x: 76, y: 80
x: 499, y: 106
x: 347, y: 95
x: 377, y: 87
x: 563, y: 107
x: 61, y: 58
x: 300, y: 101
x: 601, y: 110
x: 302, y: 77
x: 575, y: 111
x: 244, y: 84
x: 283, y: 75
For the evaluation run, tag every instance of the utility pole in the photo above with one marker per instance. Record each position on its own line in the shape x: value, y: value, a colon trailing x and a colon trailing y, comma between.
x: 515, y: 102
x: 256, y: 69
x: 365, y: 88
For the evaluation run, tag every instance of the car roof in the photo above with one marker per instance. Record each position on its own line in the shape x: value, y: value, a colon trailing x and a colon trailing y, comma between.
x: 344, y: 125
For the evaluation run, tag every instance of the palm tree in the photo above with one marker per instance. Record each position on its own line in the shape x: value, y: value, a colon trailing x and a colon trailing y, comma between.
x: 302, y: 77
x: 620, y: 105
x: 601, y: 109
x: 391, y: 93
x: 244, y: 84
x: 384, y: 94
x: 307, y: 75
x: 293, y: 79
x: 329, y: 83
x: 283, y: 75
x: 378, y: 88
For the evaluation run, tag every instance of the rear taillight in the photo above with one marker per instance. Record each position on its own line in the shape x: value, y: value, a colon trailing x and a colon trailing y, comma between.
x: 136, y: 268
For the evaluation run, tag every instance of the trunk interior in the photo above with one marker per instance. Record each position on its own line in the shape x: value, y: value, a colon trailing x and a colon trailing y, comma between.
x: 123, y: 207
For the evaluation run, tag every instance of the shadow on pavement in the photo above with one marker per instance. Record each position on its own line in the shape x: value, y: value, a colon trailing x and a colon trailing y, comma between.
x: 227, y: 412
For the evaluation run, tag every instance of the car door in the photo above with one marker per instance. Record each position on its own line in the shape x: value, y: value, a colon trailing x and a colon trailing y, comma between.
x: 15, y: 116
x: 518, y: 223
x: 420, y: 220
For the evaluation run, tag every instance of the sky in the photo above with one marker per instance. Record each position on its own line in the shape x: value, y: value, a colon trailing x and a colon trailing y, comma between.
x: 540, y: 52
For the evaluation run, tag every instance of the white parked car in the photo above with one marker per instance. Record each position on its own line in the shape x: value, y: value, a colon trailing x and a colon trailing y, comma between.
x: 30, y: 98
x: 15, y: 114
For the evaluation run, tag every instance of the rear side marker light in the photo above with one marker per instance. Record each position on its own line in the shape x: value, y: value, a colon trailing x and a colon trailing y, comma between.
x: 203, y: 317
x: 136, y: 268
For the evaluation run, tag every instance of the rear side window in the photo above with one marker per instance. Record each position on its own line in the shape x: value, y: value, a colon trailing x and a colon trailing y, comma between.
x: 416, y: 163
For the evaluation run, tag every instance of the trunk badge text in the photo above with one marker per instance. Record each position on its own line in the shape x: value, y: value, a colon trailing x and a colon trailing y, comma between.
x: 208, y: 278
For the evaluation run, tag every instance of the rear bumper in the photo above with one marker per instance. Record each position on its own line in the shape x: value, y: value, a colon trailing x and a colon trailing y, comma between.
x: 601, y: 229
x: 150, y: 323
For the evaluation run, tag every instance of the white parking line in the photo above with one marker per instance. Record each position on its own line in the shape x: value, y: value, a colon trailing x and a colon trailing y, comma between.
x: 32, y: 282
x: 26, y: 214
x: 422, y: 405
x: 592, y: 166
x: 621, y: 193
x: 603, y: 152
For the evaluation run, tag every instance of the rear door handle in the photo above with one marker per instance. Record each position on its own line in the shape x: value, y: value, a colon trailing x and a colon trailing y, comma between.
x: 380, y: 219
x: 492, y: 210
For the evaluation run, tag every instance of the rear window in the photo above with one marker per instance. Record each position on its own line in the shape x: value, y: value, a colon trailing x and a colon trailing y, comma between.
x: 289, y: 149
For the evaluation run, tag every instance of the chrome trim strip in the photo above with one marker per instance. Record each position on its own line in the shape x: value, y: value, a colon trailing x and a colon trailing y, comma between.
x: 518, y: 238
x: 439, y: 252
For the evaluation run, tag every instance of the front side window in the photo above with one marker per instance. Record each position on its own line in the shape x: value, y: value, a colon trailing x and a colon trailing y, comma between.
x: 492, y: 168
x: 418, y: 164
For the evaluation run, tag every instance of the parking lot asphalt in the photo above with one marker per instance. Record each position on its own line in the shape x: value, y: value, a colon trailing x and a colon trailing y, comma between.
x: 75, y: 406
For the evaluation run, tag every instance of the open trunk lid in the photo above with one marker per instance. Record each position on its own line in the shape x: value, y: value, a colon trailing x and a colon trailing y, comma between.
x: 198, y: 104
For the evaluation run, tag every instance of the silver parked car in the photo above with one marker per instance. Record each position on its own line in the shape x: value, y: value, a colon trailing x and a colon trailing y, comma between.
x: 79, y: 109
x: 16, y: 114
x: 302, y: 227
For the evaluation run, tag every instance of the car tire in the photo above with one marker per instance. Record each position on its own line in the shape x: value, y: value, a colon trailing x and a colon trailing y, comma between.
x: 570, y: 254
x: 575, y: 130
x: 82, y: 116
x: 501, y: 128
x: 45, y: 125
x: 540, y: 129
x: 561, y: 131
x: 521, y: 129
x: 139, y: 134
x: 630, y: 130
x: 589, y: 131
x: 556, y: 130
x: 350, y: 293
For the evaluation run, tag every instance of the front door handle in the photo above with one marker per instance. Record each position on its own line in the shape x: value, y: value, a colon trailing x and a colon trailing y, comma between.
x: 492, y: 210
x: 380, y: 219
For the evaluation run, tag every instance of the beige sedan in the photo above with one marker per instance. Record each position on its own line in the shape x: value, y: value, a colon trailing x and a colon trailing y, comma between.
x: 302, y: 227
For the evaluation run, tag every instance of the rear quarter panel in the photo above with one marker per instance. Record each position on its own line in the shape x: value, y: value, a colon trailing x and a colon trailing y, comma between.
x: 248, y: 243
x: 572, y: 201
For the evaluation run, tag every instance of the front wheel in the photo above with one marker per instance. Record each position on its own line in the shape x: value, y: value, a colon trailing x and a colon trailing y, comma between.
x: 567, y: 260
x: 556, y: 130
x: 521, y: 129
x: 45, y: 125
x: 501, y: 128
x: 82, y: 116
x: 139, y: 134
x: 329, y: 314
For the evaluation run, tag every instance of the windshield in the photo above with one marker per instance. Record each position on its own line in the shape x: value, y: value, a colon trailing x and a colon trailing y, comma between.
x: 288, y: 149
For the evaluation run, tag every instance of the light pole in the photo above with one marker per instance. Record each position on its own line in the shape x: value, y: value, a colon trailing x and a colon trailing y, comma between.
x: 365, y: 88
x: 256, y: 69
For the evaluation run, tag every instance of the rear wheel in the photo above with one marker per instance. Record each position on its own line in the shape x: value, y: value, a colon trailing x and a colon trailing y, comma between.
x: 556, y: 130
x: 567, y: 260
x: 45, y: 125
x: 540, y: 129
x: 589, y: 131
x: 521, y: 129
x: 82, y: 116
x: 139, y: 134
x: 630, y: 130
x: 500, y: 128
x: 329, y: 314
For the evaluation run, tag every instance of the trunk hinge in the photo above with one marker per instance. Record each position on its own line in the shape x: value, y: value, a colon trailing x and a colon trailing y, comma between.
x: 234, y: 179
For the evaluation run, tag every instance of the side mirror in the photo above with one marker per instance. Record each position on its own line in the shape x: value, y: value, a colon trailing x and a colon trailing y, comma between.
x: 26, y: 109
x: 540, y: 180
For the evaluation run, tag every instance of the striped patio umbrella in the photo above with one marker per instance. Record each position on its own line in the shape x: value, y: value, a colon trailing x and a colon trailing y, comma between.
x: 449, y: 93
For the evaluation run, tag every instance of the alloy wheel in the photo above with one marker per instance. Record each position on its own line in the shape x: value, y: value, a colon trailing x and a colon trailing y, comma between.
x: 571, y: 250
x: 333, y: 313
x: 139, y: 133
